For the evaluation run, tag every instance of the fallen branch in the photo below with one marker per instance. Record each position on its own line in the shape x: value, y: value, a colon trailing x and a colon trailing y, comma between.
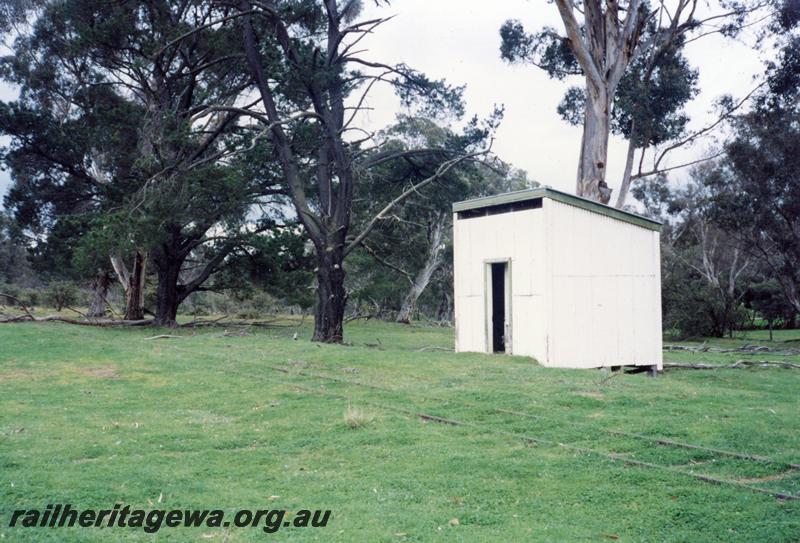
x: 366, y: 316
x: 734, y: 365
x: 18, y: 302
x: 30, y: 317
x: 92, y: 322
x: 264, y: 324
x: 781, y: 363
x: 744, y: 349
x: 164, y: 336
x: 95, y: 322
x: 76, y: 311
x: 18, y: 318
x: 111, y: 308
x: 202, y: 322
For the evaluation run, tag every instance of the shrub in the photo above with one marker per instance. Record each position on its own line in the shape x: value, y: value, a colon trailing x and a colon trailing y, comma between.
x: 61, y: 294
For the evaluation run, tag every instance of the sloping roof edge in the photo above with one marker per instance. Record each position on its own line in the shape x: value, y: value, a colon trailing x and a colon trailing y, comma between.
x: 559, y: 196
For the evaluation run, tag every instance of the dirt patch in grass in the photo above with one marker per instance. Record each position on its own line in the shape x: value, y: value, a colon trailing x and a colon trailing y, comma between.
x: 204, y: 418
x: 591, y: 394
x: 24, y: 375
x: 98, y: 372
x: 103, y: 372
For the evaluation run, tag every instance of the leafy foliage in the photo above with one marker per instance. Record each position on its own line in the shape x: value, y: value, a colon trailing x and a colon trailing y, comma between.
x: 757, y: 194
x: 650, y: 96
x: 15, y: 265
x: 61, y: 294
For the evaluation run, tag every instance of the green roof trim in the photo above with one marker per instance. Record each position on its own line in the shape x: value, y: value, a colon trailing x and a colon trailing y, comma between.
x: 564, y: 198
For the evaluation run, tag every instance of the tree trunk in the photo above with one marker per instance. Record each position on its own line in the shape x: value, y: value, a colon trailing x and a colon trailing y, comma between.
x: 99, y: 294
x: 445, y: 311
x: 432, y: 261
x: 626, y: 175
x: 132, y: 283
x: 409, y: 305
x: 134, y: 295
x: 331, y: 299
x: 594, y: 146
x: 167, y: 292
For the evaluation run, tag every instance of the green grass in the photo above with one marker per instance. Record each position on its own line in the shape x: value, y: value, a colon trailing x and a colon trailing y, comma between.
x: 94, y: 417
x: 777, y: 335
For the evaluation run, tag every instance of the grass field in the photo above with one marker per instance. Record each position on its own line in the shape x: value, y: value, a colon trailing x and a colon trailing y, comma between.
x: 94, y: 417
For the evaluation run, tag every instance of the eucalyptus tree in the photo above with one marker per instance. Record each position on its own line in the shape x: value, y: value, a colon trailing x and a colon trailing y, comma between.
x: 767, y: 298
x: 619, y: 49
x: 711, y: 251
x: 647, y: 108
x: 14, y: 12
x: 312, y: 79
x: 755, y: 188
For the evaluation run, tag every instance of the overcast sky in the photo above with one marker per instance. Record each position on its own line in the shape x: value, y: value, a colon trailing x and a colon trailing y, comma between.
x: 6, y: 93
x: 459, y: 40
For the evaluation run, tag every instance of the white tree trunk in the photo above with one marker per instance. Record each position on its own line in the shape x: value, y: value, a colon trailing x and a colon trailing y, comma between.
x: 626, y: 175
x: 132, y: 284
x: 594, y: 146
x: 603, y: 46
x: 432, y: 262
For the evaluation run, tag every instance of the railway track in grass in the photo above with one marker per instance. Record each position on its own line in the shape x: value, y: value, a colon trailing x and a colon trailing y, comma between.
x: 524, y: 436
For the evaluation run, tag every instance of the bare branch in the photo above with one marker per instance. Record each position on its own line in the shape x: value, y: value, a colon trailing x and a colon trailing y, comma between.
x: 374, y: 254
x: 656, y: 171
x: 442, y: 170
x: 578, y: 45
x: 705, y: 130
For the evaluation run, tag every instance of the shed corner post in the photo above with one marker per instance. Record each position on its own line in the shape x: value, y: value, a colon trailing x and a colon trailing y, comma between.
x: 455, y: 289
x: 547, y: 294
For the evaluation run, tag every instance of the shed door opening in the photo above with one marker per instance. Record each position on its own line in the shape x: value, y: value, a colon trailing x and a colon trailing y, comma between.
x: 499, y: 296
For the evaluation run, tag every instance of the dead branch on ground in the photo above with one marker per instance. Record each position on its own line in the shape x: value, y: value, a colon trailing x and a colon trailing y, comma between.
x: 30, y: 317
x: 744, y: 349
x: 734, y: 365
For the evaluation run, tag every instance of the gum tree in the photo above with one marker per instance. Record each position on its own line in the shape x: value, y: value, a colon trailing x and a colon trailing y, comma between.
x: 312, y: 79
x: 607, y: 41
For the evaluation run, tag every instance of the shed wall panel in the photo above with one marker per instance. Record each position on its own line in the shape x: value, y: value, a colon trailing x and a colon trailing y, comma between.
x: 604, y: 303
x: 519, y: 238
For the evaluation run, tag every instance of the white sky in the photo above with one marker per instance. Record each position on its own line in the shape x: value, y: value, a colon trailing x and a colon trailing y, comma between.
x: 459, y: 40
x: 6, y: 94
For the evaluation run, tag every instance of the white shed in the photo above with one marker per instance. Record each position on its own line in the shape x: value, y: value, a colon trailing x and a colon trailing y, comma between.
x: 566, y: 280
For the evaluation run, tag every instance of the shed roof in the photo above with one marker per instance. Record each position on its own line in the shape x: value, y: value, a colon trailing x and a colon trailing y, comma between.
x: 563, y: 197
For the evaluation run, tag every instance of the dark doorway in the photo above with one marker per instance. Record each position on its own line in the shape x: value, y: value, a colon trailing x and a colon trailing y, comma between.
x: 499, y: 306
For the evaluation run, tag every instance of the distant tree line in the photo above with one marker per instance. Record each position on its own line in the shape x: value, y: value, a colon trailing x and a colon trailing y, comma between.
x: 178, y: 148
x: 198, y: 157
x: 731, y: 245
